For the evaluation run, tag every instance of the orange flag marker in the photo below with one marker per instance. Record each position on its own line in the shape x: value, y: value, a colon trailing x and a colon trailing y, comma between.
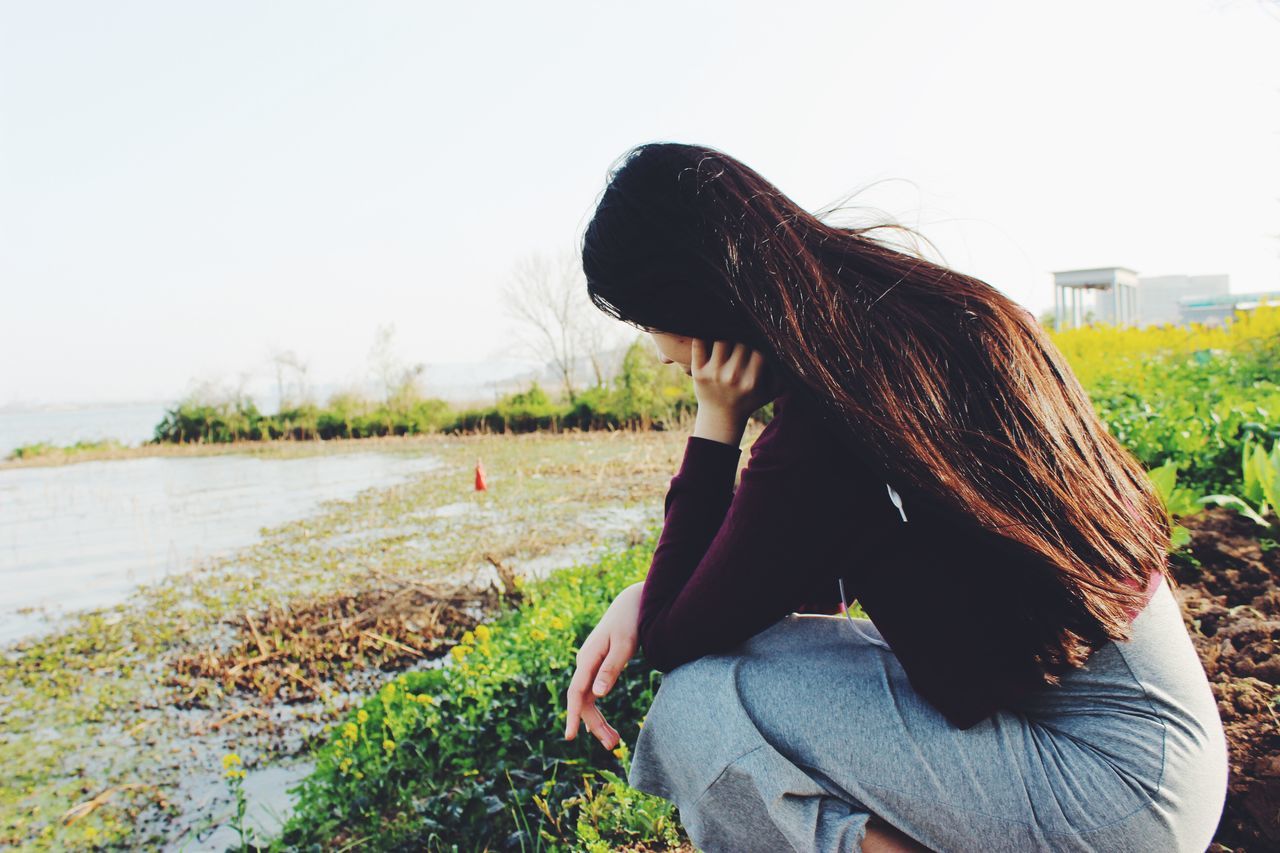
x: 481, y: 486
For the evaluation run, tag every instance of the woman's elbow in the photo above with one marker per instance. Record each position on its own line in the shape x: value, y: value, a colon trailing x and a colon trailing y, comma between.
x: 659, y: 654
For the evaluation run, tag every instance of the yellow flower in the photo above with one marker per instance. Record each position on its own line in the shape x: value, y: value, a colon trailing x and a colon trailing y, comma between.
x: 620, y: 751
x: 468, y: 638
x: 345, y: 765
x: 389, y: 746
x: 482, y: 631
x: 538, y: 634
x: 557, y: 623
x: 459, y: 652
x: 233, y: 773
x: 362, y: 716
x: 90, y: 833
x: 389, y: 688
x: 229, y: 759
x: 424, y: 699
x: 359, y: 775
x: 350, y: 731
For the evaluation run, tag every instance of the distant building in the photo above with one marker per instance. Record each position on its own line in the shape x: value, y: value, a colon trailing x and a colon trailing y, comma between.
x: 1101, y: 295
x: 1161, y: 298
x: 1215, y: 309
x: 1118, y: 295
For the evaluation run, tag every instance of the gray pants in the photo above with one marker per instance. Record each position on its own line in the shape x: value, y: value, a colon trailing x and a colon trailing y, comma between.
x: 794, y: 739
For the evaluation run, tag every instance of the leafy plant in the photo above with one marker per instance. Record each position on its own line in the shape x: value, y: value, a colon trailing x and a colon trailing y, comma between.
x: 617, y: 814
x: 1260, y: 492
x: 234, y: 773
x: 1178, y: 501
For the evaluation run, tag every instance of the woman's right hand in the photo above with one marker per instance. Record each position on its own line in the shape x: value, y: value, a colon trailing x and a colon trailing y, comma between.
x: 601, y: 659
x: 731, y: 375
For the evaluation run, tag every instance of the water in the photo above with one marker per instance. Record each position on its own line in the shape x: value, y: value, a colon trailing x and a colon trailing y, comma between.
x: 269, y: 804
x: 128, y: 423
x: 87, y: 534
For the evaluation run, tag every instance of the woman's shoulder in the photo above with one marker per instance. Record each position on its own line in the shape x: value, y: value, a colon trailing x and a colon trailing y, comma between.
x: 805, y: 436
x: 783, y: 435
x: 803, y: 425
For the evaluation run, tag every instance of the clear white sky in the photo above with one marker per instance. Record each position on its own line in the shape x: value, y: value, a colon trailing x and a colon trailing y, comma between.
x: 185, y: 185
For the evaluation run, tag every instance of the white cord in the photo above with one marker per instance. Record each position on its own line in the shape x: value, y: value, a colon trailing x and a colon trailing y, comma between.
x: 897, y: 501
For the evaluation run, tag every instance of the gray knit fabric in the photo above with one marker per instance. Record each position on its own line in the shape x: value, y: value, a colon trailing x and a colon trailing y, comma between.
x: 792, y: 740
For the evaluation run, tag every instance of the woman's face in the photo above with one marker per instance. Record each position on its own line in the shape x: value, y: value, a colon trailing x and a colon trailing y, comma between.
x: 674, y: 349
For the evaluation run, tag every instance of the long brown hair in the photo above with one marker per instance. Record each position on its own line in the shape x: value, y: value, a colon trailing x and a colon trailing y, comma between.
x: 939, y: 382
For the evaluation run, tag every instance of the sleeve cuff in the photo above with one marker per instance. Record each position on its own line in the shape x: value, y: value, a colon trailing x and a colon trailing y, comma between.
x: 709, y: 461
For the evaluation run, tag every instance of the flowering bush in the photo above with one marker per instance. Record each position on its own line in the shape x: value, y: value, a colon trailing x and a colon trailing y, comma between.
x: 1192, y: 394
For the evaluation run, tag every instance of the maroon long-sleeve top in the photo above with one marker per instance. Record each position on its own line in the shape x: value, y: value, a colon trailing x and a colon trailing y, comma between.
x: 729, y: 563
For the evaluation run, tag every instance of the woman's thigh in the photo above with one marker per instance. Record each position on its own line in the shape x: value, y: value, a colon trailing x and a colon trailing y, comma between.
x: 811, y: 726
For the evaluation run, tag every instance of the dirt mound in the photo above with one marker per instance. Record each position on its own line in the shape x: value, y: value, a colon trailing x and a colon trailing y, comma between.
x: 1227, y: 586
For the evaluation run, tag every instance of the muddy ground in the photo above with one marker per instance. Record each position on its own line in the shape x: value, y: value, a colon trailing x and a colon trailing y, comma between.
x: 1227, y: 586
x: 357, y: 571
x: 113, y: 723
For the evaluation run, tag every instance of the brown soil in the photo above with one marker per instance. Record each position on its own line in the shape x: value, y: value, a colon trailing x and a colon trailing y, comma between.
x: 1227, y: 586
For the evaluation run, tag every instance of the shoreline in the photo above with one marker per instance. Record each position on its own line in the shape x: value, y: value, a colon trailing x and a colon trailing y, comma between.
x: 97, y: 704
x: 289, y: 448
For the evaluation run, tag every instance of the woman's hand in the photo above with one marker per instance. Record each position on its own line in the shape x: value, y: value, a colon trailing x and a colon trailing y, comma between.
x: 731, y: 377
x: 600, y: 659
x: 731, y: 380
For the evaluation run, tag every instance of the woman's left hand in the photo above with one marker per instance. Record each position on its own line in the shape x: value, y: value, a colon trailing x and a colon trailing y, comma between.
x: 601, y: 659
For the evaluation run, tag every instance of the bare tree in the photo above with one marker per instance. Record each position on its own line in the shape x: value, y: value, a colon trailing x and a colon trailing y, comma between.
x: 286, y: 362
x: 560, y: 326
x: 401, y: 383
x: 597, y: 334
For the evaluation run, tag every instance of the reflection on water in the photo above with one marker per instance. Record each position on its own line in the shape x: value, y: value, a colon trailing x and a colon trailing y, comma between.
x: 84, y: 535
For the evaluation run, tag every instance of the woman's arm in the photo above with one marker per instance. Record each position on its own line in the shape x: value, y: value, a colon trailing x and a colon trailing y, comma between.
x: 729, y: 564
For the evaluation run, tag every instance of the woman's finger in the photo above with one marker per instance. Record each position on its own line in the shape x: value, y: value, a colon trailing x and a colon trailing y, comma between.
x: 710, y: 362
x: 738, y: 358
x: 578, y: 695
x: 614, y: 662
x: 598, y: 726
x: 755, y: 366
x: 577, y: 698
x: 718, y: 353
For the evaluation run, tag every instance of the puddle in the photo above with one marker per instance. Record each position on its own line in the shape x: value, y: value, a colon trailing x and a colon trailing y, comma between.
x: 269, y: 804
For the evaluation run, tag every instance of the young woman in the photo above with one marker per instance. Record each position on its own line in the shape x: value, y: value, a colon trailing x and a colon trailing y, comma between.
x: 1025, y: 681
